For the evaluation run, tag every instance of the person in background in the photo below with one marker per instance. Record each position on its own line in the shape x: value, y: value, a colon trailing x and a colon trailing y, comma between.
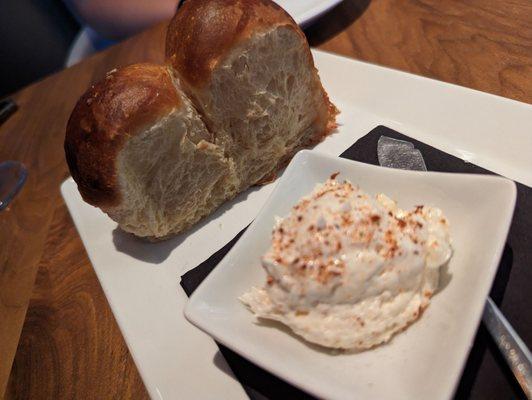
x: 108, y: 21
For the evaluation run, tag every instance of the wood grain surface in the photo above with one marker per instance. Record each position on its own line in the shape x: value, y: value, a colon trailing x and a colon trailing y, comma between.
x: 35, y: 136
x: 70, y: 346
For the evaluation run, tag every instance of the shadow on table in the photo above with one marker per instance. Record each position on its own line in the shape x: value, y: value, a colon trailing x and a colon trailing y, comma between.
x: 484, y: 341
x: 335, y: 21
x: 158, y: 252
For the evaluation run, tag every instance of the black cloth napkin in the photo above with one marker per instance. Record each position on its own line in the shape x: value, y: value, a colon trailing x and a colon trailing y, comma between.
x: 486, y: 375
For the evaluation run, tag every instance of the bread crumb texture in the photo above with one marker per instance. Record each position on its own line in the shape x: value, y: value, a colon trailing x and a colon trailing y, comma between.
x: 160, y: 147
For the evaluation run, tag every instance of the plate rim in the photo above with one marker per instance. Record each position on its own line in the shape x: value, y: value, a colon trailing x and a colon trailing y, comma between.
x: 306, y: 18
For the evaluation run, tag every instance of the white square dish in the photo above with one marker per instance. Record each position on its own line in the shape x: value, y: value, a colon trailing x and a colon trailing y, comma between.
x: 423, y: 362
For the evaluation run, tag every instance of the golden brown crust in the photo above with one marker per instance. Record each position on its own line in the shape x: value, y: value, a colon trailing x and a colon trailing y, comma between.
x: 203, y: 31
x: 119, y: 106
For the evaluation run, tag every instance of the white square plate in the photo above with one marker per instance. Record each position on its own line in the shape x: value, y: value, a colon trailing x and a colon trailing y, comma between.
x: 141, y: 281
x: 423, y: 362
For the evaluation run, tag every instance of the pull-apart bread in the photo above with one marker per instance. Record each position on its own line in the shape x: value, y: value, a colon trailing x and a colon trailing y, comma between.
x: 159, y: 147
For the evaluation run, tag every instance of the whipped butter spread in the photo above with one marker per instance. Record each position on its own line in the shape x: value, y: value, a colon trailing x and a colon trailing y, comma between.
x: 348, y: 270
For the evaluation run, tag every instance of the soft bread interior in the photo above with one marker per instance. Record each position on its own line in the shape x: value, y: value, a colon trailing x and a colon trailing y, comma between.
x: 263, y: 102
x: 171, y: 176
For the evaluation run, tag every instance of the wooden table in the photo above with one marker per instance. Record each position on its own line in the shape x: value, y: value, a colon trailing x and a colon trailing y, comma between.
x: 51, y: 303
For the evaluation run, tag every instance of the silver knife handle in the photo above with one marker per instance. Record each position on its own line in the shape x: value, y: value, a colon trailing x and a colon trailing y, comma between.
x: 511, y: 346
